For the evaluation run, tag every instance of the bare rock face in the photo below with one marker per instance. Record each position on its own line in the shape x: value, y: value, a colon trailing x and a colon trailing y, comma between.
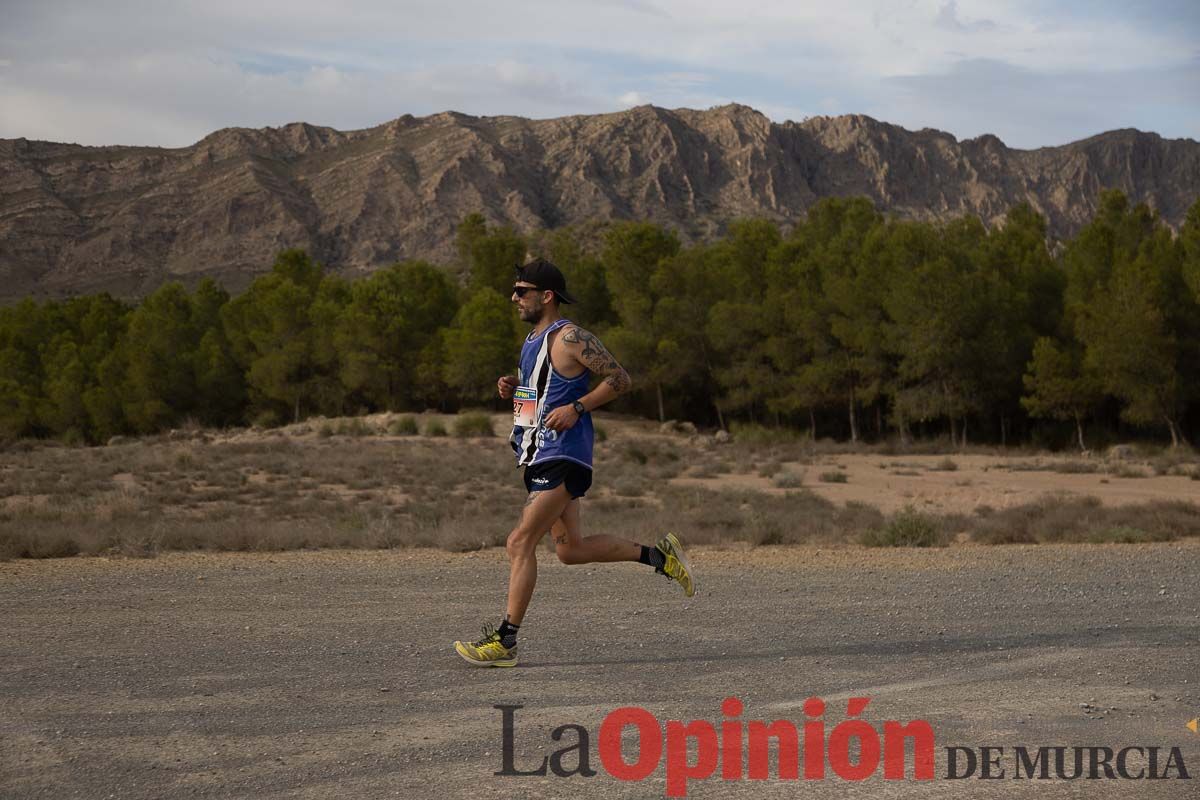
x: 79, y: 219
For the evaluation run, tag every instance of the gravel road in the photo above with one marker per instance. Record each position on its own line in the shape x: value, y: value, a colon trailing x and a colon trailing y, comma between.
x: 331, y: 675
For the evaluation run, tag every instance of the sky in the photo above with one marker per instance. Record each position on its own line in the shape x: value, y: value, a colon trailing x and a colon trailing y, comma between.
x: 169, y: 72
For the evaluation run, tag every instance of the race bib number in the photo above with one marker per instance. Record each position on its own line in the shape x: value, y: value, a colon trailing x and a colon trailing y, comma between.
x: 525, y: 402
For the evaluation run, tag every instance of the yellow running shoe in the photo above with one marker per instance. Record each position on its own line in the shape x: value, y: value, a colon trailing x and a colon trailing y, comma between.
x: 677, y: 566
x: 488, y: 651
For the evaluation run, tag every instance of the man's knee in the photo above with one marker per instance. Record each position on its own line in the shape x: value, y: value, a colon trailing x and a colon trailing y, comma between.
x: 520, y: 542
x: 568, y: 554
x: 571, y: 552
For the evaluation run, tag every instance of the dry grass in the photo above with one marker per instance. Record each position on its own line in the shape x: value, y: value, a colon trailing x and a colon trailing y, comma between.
x: 1084, y: 519
x: 909, y: 528
x: 379, y: 483
x: 788, y: 478
x: 351, y: 489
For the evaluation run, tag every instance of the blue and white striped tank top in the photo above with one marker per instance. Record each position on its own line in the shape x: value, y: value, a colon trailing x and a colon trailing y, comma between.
x: 535, y: 444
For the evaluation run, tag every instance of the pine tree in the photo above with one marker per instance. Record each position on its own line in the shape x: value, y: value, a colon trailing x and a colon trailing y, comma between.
x: 392, y: 317
x: 1061, y: 385
x: 479, y: 346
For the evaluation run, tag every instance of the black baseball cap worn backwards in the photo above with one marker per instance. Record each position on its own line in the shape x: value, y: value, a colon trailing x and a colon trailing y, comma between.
x: 544, y: 275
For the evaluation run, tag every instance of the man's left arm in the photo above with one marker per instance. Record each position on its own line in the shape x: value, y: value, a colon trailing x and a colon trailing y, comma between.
x: 589, y: 351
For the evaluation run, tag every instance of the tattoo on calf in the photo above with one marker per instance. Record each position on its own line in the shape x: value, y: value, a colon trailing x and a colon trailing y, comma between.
x: 560, y: 538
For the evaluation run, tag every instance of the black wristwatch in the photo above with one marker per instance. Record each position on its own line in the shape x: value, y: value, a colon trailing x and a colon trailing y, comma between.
x: 578, y: 407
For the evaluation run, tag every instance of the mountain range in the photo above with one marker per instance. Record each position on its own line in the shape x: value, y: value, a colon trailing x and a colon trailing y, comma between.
x: 76, y: 219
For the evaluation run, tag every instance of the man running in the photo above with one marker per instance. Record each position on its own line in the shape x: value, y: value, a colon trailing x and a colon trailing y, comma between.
x: 552, y: 438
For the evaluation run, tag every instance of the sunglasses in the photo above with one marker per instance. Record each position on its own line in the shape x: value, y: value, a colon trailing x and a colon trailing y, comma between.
x: 520, y: 291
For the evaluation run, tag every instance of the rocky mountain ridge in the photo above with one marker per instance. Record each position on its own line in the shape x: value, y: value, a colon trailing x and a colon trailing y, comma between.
x: 77, y: 219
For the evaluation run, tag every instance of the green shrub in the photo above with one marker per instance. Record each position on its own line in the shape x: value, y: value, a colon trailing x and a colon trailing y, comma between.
x: 473, y: 423
x: 74, y: 438
x: 601, y: 432
x: 434, y: 427
x: 403, y: 426
x: 1085, y: 519
x: 265, y: 419
x: 789, y: 479
x: 634, y: 453
x: 754, y: 434
x: 1127, y: 471
x: 907, y: 528
x: 770, y: 469
x: 1126, y: 534
x: 354, y: 427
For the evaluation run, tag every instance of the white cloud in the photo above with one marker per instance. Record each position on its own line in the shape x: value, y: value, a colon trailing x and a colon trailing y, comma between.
x: 1028, y: 109
x: 948, y: 18
x: 178, y: 99
x: 125, y: 71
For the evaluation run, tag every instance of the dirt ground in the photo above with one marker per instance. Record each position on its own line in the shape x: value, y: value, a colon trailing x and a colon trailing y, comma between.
x: 892, y: 482
x: 330, y: 674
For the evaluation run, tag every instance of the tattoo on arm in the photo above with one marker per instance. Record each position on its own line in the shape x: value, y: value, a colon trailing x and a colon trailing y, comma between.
x: 595, y: 356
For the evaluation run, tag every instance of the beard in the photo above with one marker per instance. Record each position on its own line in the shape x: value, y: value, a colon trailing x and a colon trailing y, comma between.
x: 533, y: 315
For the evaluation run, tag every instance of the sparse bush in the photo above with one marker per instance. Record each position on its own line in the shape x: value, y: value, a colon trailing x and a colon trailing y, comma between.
x: 266, y: 419
x: 834, y: 477
x: 789, y: 479
x: 1174, y: 461
x: 354, y: 427
x: 634, y: 452
x: 435, y: 427
x: 1125, y: 534
x: 1085, y: 519
x: 274, y: 492
x: 601, y: 431
x: 908, y: 528
x: 1075, y: 467
x: 74, y: 438
x: 1126, y: 471
x: 769, y: 469
x: 629, y: 486
x: 473, y: 424
x: 758, y: 436
x: 649, y: 451
x: 947, y: 464
x: 403, y: 426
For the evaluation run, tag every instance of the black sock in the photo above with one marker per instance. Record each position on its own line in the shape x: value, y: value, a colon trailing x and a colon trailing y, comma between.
x: 508, y: 633
x: 653, y: 557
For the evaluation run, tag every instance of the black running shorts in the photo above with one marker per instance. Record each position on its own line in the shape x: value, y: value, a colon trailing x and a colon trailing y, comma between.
x: 548, y: 474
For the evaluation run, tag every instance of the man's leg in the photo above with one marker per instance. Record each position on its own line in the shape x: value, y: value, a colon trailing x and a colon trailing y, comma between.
x: 572, y: 547
x: 541, y: 510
